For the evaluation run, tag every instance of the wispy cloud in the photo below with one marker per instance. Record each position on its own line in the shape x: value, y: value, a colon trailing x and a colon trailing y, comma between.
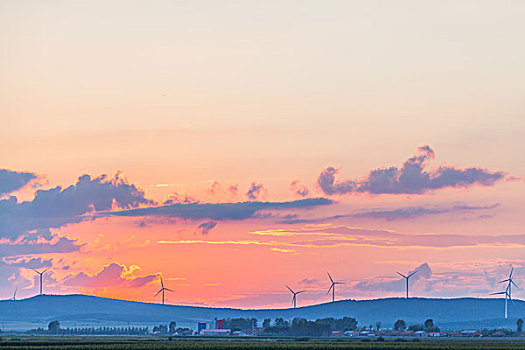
x: 413, y: 177
x: 413, y: 212
x: 403, y: 213
x: 340, y: 236
x: 299, y: 189
x: 32, y: 247
x: 217, y: 189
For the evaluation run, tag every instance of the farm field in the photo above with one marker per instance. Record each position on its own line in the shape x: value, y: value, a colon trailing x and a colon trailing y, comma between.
x: 132, y: 343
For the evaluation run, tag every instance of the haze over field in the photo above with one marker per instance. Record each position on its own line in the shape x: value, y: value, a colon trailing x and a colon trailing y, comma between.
x: 238, y: 147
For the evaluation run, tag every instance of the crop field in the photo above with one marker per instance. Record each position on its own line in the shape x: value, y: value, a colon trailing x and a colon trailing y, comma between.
x: 136, y: 343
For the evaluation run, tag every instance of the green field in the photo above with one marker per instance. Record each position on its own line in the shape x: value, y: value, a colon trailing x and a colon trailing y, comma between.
x: 135, y: 343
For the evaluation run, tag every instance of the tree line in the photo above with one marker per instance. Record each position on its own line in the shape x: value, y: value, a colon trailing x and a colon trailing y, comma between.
x: 303, y: 327
x: 297, y: 327
x: 54, y: 328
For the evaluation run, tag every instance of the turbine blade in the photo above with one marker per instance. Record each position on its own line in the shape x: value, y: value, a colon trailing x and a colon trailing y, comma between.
x: 511, y: 281
x: 158, y: 292
x: 161, y: 283
x: 330, y: 289
x: 400, y: 274
x: 511, y: 271
x: 330, y: 277
x: 36, y: 271
x: 498, y: 293
x: 299, y: 292
x: 46, y: 270
x: 412, y: 274
x: 169, y: 290
x: 290, y: 289
x: 504, y: 281
x: 339, y: 282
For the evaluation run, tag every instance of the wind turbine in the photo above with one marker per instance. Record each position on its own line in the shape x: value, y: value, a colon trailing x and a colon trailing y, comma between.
x: 162, y: 290
x: 407, y: 278
x: 507, y: 291
x: 41, y: 274
x: 510, y: 283
x: 294, y: 299
x: 332, y: 287
x: 14, y: 294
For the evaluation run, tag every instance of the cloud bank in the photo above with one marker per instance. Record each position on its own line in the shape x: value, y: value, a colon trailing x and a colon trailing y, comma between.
x: 58, y: 206
x: 413, y: 177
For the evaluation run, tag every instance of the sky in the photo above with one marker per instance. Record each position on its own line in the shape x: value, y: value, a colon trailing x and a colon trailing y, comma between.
x: 238, y: 147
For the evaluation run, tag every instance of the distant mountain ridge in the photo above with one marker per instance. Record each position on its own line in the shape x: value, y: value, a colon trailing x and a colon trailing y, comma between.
x: 83, y: 310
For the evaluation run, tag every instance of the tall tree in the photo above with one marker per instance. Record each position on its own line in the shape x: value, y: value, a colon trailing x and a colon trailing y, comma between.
x: 53, y: 327
x: 173, y: 327
x: 400, y: 325
x: 429, y: 324
x: 267, y: 323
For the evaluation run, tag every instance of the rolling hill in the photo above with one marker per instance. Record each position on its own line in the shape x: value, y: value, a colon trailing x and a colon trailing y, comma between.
x: 84, y: 310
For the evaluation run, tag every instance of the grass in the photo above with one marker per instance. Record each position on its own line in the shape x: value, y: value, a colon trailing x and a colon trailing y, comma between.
x: 137, y: 343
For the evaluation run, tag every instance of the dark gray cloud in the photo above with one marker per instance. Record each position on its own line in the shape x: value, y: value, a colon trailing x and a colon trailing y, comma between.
x: 59, y: 206
x: 206, y: 227
x: 11, y: 181
x: 413, y: 177
x: 299, y: 189
x: 256, y: 191
x: 219, y: 211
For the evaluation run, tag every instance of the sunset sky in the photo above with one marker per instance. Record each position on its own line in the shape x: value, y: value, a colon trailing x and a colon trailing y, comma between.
x: 236, y: 147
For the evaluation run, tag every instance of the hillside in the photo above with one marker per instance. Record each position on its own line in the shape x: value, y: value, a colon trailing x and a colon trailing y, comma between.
x: 83, y: 310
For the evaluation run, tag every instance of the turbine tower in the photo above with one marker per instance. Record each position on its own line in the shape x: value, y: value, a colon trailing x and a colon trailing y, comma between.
x: 294, y: 299
x: 407, y: 278
x: 507, y: 291
x: 163, y: 289
x: 332, y: 287
x: 41, y: 274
